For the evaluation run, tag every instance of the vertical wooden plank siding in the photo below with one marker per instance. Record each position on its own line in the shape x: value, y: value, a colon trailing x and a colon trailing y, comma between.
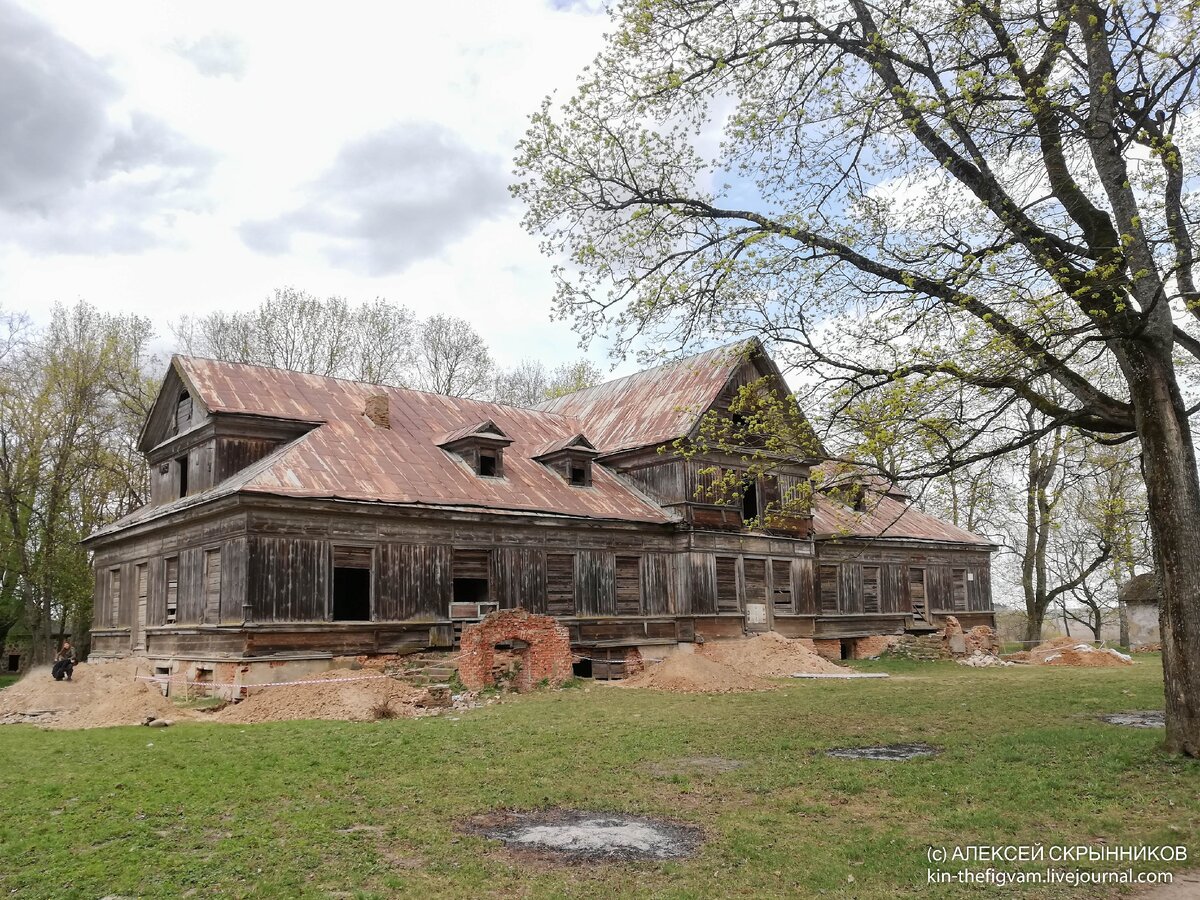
x: 629, y: 585
x: 595, y: 583
x: 142, y: 581
x: 518, y: 578
x: 288, y: 579
x: 938, y: 586
x: 560, y: 584
x: 233, y: 580
x: 414, y: 581
x: 656, y: 584
x: 804, y: 587
x: 851, y: 588
x: 979, y: 590
x: 212, y: 586
x: 700, y: 589
x: 958, y: 586
x: 114, y: 597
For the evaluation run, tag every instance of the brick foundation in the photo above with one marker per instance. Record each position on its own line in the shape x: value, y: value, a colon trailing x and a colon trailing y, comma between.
x: 829, y: 649
x: 547, y: 658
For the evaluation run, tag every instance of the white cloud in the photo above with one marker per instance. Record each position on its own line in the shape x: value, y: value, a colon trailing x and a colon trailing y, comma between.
x: 302, y: 111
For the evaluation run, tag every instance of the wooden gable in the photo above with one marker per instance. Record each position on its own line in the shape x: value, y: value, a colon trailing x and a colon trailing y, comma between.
x: 166, y: 417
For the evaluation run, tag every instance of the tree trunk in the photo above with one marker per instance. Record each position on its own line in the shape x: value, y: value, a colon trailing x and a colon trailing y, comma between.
x: 1173, y: 501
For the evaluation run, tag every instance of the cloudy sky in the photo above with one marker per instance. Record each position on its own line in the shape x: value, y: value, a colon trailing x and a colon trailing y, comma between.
x: 167, y: 157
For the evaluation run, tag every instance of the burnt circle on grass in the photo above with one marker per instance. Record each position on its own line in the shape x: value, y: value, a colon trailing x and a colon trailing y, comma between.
x: 1145, y: 718
x: 887, y: 752
x: 570, y: 835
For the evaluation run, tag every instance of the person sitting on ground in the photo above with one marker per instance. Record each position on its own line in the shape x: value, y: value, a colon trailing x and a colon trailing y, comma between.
x: 64, y: 662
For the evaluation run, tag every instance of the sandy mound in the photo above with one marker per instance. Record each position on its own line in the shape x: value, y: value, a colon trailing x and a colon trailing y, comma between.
x: 101, y: 694
x: 1065, y: 651
x: 690, y: 673
x: 768, y: 655
x: 354, y: 701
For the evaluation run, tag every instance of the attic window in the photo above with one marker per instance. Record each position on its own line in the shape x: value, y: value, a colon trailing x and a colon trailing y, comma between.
x: 489, y: 463
x: 581, y: 472
x: 749, y: 500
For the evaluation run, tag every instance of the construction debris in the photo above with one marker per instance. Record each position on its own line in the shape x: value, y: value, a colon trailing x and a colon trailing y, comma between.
x: 981, y: 660
x: 1067, y: 651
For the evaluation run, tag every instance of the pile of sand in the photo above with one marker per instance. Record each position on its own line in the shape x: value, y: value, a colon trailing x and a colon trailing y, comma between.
x: 769, y: 655
x: 724, y: 667
x: 691, y: 673
x: 100, y: 694
x: 355, y: 700
x: 1066, y: 651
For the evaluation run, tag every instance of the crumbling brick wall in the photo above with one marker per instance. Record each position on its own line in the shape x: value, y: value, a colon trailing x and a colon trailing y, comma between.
x: 870, y: 647
x: 546, y: 658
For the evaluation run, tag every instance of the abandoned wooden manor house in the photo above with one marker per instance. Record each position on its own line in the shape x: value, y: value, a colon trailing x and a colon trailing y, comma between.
x: 295, y: 519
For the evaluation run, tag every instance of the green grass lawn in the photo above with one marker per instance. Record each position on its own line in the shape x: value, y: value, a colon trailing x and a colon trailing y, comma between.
x: 324, y: 809
x: 6, y: 680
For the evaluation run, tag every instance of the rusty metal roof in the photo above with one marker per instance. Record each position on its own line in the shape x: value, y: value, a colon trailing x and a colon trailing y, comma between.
x: 886, y: 516
x: 349, y: 457
x: 654, y: 406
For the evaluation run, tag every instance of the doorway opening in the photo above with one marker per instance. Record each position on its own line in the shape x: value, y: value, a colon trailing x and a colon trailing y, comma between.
x: 749, y: 501
x: 351, y: 594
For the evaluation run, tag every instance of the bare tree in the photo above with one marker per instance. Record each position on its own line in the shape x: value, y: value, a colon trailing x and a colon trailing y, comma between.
x: 988, y: 195
x: 529, y: 383
x: 452, y: 358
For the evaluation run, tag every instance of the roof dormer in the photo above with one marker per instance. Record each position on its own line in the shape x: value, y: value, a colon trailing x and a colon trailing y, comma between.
x: 571, y: 458
x: 480, y: 446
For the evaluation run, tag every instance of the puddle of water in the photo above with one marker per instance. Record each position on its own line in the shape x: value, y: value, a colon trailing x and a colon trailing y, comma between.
x: 570, y: 834
x: 888, y: 753
x: 1149, y: 718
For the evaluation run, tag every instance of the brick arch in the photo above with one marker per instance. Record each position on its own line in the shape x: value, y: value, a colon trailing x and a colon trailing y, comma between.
x: 547, y: 655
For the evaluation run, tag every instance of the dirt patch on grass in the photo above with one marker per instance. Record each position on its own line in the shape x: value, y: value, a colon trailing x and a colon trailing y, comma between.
x: 1146, y: 718
x: 768, y: 655
x: 690, y: 673
x: 694, y: 765
x: 886, y: 753
x: 339, y: 698
x: 563, y: 835
x: 99, y: 694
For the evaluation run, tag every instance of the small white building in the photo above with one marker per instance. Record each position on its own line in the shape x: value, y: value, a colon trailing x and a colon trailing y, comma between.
x: 1141, y: 598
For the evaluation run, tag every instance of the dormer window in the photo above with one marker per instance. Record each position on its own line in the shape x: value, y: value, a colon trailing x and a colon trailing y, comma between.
x: 571, y: 458
x: 488, y: 463
x: 480, y: 446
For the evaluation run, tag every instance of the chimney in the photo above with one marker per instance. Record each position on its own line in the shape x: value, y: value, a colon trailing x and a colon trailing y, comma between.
x: 376, y: 410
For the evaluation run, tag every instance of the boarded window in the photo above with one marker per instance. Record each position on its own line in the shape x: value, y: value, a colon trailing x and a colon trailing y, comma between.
x: 114, y: 597
x: 870, y: 576
x: 629, y: 585
x: 959, y: 588
x: 471, y: 576
x: 755, y: 572
x: 829, y: 590
x: 172, y: 589
x: 212, y: 586
x: 727, y: 598
x: 560, y: 584
x: 781, y: 586
x: 183, y: 412
x: 916, y: 589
